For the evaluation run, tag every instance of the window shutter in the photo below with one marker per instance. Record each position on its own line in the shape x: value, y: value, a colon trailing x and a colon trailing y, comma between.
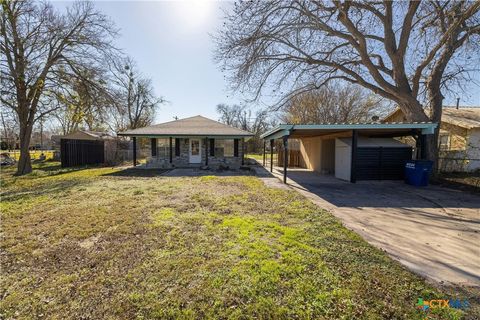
x: 235, y: 147
x: 177, y: 147
x: 212, y: 147
x: 153, y: 146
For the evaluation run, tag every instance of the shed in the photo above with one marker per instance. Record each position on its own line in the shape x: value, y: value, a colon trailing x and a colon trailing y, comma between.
x: 377, y: 158
x: 83, y: 147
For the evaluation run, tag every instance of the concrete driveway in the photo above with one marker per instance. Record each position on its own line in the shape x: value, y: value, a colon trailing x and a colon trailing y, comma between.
x: 434, y: 231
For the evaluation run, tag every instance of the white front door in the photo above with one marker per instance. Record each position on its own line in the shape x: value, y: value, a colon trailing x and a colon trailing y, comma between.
x: 195, y: 151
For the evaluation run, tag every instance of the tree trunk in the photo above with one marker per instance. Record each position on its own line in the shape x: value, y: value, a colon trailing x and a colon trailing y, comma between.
x: 24, y: 163
x: 435, y: 100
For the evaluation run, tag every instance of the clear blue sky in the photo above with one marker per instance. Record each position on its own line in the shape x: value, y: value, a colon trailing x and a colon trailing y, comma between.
x: 171, y: 43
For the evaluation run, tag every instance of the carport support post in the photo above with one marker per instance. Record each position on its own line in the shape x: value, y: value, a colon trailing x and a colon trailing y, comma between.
x: 423, y: 146
x: 271, y: 155
x: 353, y: 164
x: 285, y: 158
x: 264, y: 146
x: 134, y: 139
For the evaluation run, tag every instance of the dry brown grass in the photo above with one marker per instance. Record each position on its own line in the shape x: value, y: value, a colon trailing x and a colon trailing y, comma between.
x: 93, y: 244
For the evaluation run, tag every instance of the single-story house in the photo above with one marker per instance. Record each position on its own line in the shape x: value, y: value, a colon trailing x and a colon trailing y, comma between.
x: 459, y: 138
x: 192, y: 142
x: 86, y: 147
x: 351, y: 151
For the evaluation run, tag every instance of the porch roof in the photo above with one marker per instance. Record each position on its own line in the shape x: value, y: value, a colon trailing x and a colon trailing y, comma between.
x: 371, y: 129
x: 197, y: 126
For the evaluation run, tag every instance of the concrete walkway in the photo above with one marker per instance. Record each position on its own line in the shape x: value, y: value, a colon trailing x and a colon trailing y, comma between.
x: 434, y: 231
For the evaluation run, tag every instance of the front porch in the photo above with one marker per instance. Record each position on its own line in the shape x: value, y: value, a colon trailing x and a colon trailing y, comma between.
x: 193, y: 152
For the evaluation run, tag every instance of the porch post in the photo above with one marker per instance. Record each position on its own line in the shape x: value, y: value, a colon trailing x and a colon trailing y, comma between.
x: 134, y: 139
x: 206, y: 151
x: 353, y: 163
x: 243, y: 151
x: 285, y: 158
x: 264, y: 143
x: 170, y: 149
x: 153, y: 144
x: 271, y: 155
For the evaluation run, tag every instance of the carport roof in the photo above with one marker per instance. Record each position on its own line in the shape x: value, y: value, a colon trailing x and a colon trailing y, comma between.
x: 372, y: 129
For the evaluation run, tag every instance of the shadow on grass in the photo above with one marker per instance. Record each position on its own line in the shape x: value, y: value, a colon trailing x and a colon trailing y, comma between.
x: 47, y: 168
x: 177, y: 172
x: 465, y: 181
x: 52, y: 188
x: 135, y: 172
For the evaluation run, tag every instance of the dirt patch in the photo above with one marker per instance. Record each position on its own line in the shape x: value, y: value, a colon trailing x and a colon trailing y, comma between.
x: 89, y: 242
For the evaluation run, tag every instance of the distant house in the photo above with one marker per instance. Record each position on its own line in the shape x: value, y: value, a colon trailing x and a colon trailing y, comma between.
x: 192, y: 142
x: 459, y: 140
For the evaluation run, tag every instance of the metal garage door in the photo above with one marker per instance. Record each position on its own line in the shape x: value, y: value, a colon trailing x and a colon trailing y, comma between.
x: 81, y: 152
x: 381, y: 163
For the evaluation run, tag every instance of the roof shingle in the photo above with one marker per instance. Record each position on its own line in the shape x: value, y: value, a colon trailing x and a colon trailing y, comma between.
x: 464, y: 117
x: 193, y: 126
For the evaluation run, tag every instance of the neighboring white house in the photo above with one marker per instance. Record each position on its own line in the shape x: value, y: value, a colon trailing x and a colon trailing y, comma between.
x: 459, y: 140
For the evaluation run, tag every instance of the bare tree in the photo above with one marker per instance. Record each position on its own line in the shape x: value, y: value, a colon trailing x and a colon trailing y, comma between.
x: 243, y: 118
x: 328, y: 105
x: 399, y: 50
x: 83, y: 102
x: 134, y: 98
x: 38, y: 43
x: 229, y: 114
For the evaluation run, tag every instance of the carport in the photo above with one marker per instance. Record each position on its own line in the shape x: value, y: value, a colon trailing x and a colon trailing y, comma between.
x: 349, y: 134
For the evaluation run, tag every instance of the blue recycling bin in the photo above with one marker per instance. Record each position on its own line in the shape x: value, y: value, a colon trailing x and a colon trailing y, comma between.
x: 417, y: 172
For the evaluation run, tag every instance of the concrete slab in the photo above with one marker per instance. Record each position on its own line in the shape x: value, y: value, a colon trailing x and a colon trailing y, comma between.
x: 434, y: 231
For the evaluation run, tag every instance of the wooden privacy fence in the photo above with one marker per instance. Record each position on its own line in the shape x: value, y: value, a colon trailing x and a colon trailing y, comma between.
x: 295, y: 159
x: 81, y: 152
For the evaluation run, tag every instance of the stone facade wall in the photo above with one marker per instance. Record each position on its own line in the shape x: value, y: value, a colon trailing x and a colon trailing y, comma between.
x: 182, y: 161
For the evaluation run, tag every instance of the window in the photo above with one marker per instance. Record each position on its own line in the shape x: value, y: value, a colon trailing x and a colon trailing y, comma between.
x: 224, y: 148
x: 163, y: 147
x: 444, y: 142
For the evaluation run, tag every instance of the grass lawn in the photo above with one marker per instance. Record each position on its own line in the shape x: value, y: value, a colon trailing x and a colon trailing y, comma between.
x: 258, y: 157
x: 98, y: 244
